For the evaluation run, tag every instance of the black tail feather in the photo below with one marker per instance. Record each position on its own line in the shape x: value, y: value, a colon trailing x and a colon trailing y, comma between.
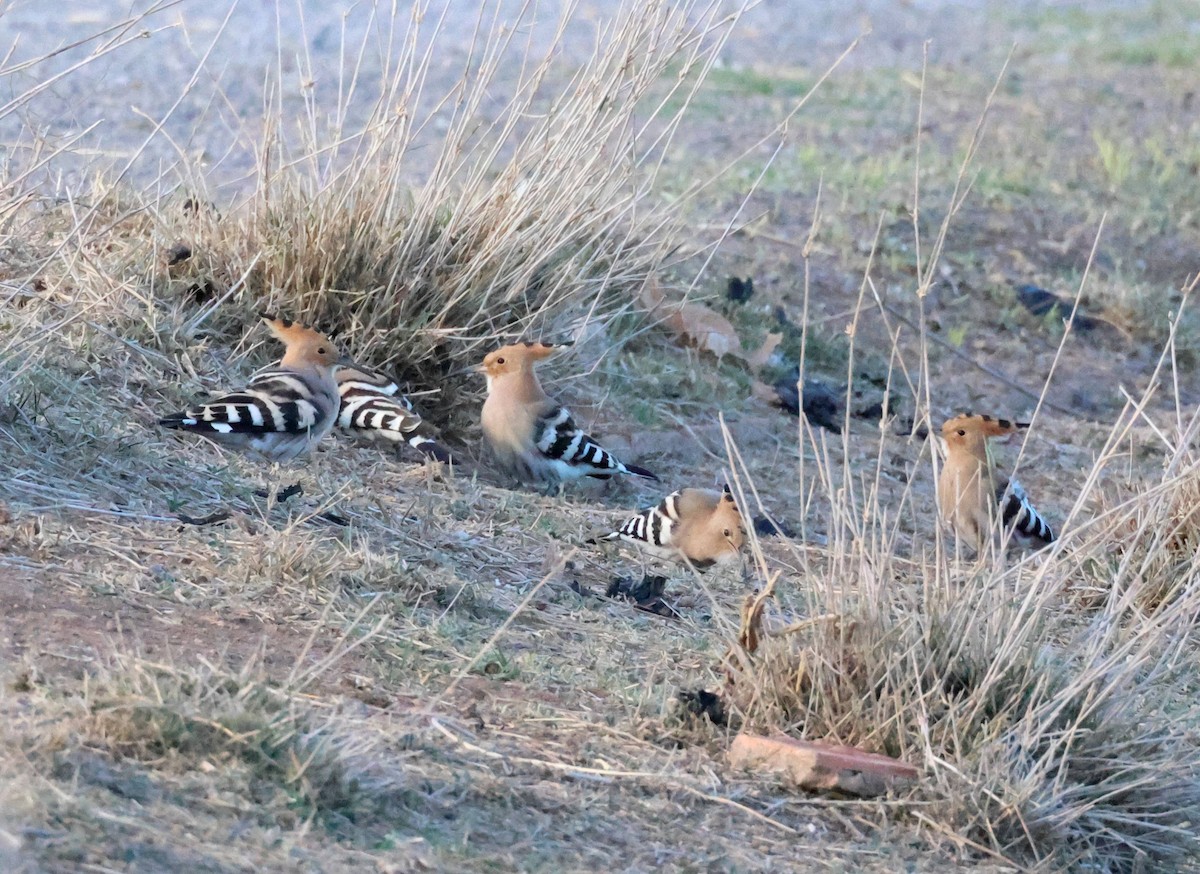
x: 431, y: 449
x: 640, y: 471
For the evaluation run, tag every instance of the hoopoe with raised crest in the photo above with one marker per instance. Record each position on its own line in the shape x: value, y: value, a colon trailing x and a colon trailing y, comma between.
x: 371, y: 405
x: 701, y: 526
x: 531, y: 436
x: 284, y: 410
x: 976, y: 499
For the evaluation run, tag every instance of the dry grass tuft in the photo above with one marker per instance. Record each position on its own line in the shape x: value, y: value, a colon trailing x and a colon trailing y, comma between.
x: 532, y: 221
x: 1149, y: 542
x: 1052, y: 735
x: 203, y: 718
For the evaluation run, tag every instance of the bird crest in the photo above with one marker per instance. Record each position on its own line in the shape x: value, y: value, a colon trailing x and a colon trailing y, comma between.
x: 518, y: 356
x: 305, y: 347
x: 972, y: 431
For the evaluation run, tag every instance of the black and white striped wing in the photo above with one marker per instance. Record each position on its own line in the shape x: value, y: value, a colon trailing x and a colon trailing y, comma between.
x: 378, y: 410
x: 274, y: 402
x: 1019, y: 514
x: 572, y: 453
x: 651, y: 528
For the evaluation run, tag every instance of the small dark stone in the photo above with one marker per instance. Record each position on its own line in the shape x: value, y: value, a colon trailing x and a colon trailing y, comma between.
x: 821, y: 405
x: 650, y: 586
x: 178, y: 253
x: 871, y: 412
x: 645, y: 594
x: 701, y: 702
x: 202, y: 292
x: 766, y: 526
x: 1037, y: 300
x: 1040, y: 302
x: 740, y: 290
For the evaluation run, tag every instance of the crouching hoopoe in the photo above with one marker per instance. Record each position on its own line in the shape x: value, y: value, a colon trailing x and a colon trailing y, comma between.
x: 531, y: 436
x: 285, y: 410
x: 373, y: 406
x: 702, y: 526
x: 980, y: 502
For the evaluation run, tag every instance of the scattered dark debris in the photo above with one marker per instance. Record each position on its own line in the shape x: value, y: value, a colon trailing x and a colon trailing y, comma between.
x: 767, y: 526
x: 871, y: 412
x: 1041, y: 302
x: 202, y: 292
x: 879, y: 380
x: 194, y: 206
x: 210, y: 519
x: 650, y: 586
x: 645, y: 594
x: 821, y: 404
x: 178, y: 253
x: 740, y: 290
x: 293, y: 491
x: 701, y: 702
x: 1037, y: 300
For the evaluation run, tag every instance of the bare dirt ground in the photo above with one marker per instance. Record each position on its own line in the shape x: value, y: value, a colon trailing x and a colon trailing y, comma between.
x: 430, y: 686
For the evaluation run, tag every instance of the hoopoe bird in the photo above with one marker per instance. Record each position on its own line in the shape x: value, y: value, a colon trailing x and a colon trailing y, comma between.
x: 976, y: 499
x: 702, y: 526
x: 284, y: 410
x: 531, y: 436
x: 371, y: 405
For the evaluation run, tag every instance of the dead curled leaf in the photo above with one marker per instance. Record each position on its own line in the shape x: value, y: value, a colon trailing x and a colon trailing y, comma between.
x: 762, y: 356
x: 752, y: 615
x: 694, y: 324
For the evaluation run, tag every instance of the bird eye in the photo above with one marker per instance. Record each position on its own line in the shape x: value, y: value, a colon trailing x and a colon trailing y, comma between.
x: 499, y: 360
x: 728, y: 533
x: 321, y: 350
x: 962, y: 432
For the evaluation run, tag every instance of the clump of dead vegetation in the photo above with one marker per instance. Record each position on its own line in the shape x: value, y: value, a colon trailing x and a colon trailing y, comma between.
x: 532, y: 220
x: 1053, y: 729
x: 203, y: 717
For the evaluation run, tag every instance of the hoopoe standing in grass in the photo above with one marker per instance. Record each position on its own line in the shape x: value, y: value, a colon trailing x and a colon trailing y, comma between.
x: 980, y: 502
x: 371, y: 404
x: 702, y: 526
x: 285, y: 410
x: 530, y: 435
